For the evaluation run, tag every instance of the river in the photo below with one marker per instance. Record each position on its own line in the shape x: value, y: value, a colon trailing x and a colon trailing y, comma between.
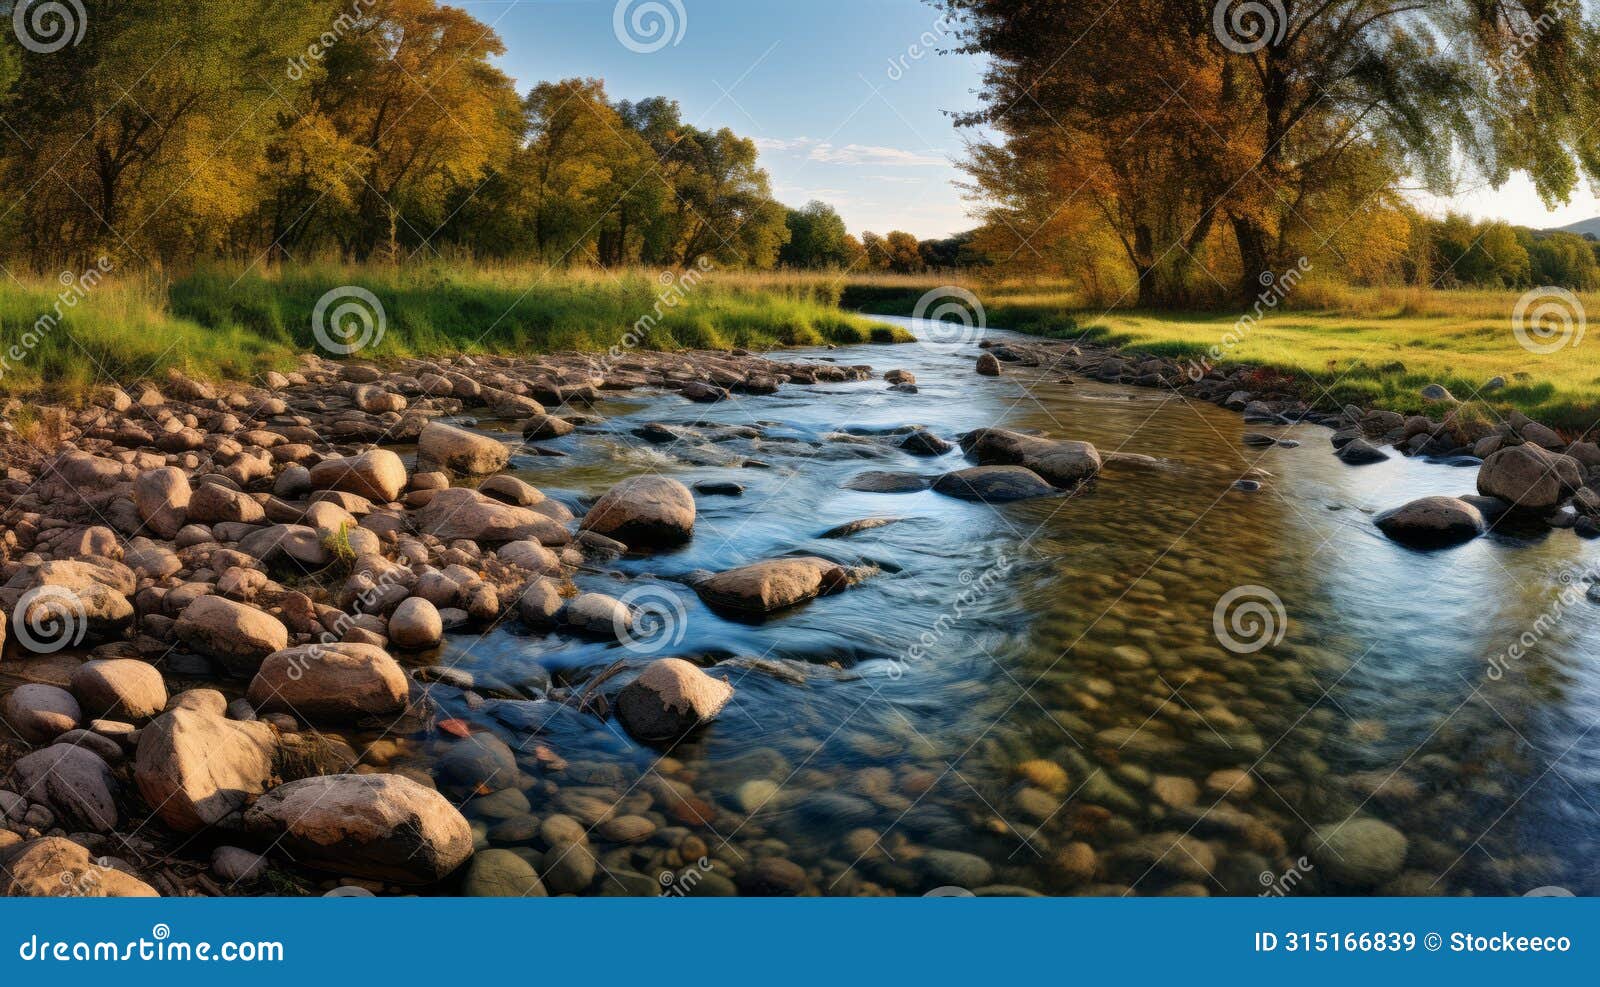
x: 1157, y: 685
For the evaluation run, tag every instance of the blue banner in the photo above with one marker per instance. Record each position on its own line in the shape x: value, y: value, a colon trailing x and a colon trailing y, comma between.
x: 880, y: 941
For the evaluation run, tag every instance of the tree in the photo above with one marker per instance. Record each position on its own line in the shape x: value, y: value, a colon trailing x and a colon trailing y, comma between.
x: 1286, y: 91
x: 817, y: 238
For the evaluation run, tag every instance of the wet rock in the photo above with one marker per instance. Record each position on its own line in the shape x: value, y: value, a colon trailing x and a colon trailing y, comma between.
x: 775, y: 584
x: 988, y: 365
x: 644, y: 510
x: 1359, y: 853
x: 924, y: 443
x: 569, y: 868
x: 598, y: 614
x: 1529, y: 477
x: 670, y: 698
x: 330, y: 682
x: 994, y: 484
x: 383, y: 827
x: 194, y: 768
x: 502, y: 874
x: 478, y: 764
x: 1360, y: 452
x: 546, y: 427
x: 855, y: 527
x: 237, y: 635
x: 719, y: 488
x: 773, y: 877
x: 1432, y: 522
x: 462, y: 451
x: 119, y: 689
x: 881, y: 481
x: 954, y: 867
x: 53, y: 867
x: 39, y: 713
x: 1062, y: 463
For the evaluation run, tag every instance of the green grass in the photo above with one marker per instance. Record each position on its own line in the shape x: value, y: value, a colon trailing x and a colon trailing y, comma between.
x: 216, y: 323
x: 1375, y: 347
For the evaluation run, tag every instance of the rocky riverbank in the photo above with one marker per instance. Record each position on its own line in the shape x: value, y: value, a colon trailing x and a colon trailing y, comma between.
x: 227, y: 603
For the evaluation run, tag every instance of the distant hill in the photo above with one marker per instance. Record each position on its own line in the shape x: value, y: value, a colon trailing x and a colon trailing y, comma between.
x: 1588, y: 227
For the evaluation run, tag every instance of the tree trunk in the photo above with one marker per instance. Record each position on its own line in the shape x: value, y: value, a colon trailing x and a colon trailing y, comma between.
x: 1255, y: 257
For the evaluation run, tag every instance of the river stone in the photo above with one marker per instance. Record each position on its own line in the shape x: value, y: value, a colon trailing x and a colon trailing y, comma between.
x: 994, y: 484
x: 883, y: 481
x: 502, y: 874
x: 670, y: 698
x: 237, y: 866
x: 569, y: 867
x: 416, y: 625
x: 338, y: 682
x: 150, y: 558
x: 376, y: 474
x: 988, y: 365
x: 382, y: 827
x: 53, y: 867
x: 1432, y: 522
x: 119, y: 689
x: 74, y: 782
x: 299, y: 542
x: 478, y: 764
x: 463, y: 513
x: 460, y: 450
x: 195, y: 768
x: 68, y: 600
x: 161, y: 497
x: 765, y: 587
x: 1360, y: 452
x: 954, y: 867
x: 1529, y: 477
x: 511, y: 490
x: 773, y: 877
x: 212, y: 503
x: 644, y: 510
x: 1360, y: 853
x: 597, y: 613
x: 546, y: 427
x: 1061, y: 463
x: 236, y: 634
x: 39, y: 713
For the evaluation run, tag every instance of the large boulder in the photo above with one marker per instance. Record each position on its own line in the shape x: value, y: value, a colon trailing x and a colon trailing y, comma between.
x: 381, y: 827
x: 460, y: 512
x: 1432, y: 522
x: 994, y: 484
x: 53, y: 867
x: 298, y: 542
x: 644, y: 510
x: 74, y: 781
x: 460, y: 450
x: 1360, y: 452
x: 376, y: 474
x: 213, y: 503
x: 195, y: 768
x: 330, y: 682
x: 1062, y: 463
x: 772, y: 585
x: 69, y: 601
x: 40, y: 713
x: 236, y: 634
x: 669, y: 699
x: 1529, y: 477
x: 162, y: 499
x: 119, y: 689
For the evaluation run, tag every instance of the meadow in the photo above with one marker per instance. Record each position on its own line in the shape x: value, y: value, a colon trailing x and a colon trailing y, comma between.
x: 60, y: 339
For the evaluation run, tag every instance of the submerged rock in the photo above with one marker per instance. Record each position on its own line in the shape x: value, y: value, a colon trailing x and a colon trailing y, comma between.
x: 994, y: 484
x: 775, y: 584
x: 669, y: 699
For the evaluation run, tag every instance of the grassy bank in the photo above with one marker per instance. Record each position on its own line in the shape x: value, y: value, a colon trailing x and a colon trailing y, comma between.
x: 1375, y: 347
x: 58, y: 337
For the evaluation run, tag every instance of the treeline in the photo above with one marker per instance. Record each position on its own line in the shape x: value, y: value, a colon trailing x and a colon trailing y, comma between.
x: 266, y: 130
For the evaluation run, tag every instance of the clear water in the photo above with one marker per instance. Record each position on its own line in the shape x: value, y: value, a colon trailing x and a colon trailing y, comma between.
x: 1078, y: 631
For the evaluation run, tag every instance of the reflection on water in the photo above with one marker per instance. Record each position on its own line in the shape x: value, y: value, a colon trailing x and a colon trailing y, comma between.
x: 1046, y: 695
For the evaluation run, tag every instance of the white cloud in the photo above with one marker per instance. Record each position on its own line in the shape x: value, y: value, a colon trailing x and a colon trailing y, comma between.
x: 850, y: 154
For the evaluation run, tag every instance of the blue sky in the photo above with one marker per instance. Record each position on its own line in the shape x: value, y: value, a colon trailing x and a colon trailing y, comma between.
x: 835, y: 92
x: 809, y: 80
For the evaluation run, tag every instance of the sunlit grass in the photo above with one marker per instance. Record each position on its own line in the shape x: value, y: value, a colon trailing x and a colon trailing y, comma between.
x: 225, y: 322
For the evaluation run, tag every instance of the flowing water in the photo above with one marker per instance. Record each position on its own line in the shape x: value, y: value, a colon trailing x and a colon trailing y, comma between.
x: 1159, y: 684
